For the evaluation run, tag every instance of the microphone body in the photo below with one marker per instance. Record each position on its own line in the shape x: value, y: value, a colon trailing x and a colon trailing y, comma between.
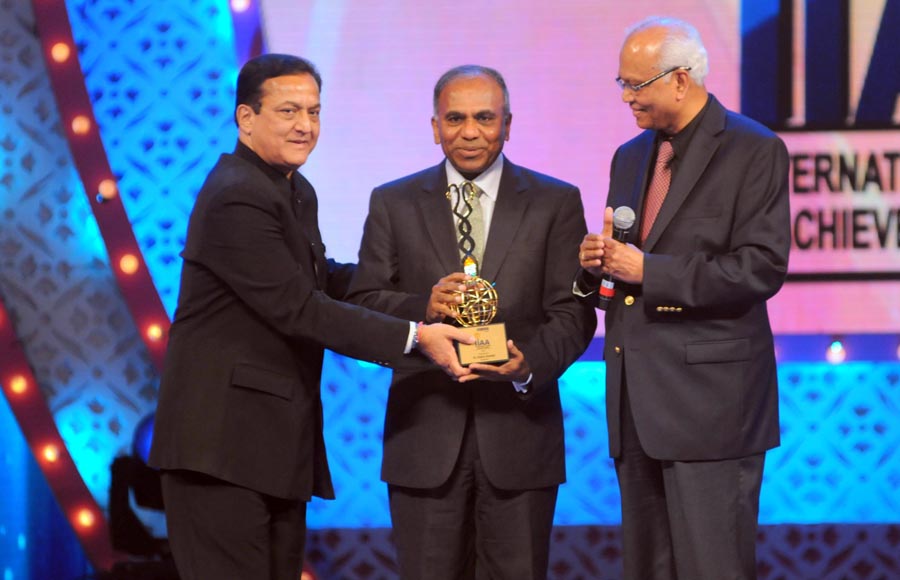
x: 623, y: 219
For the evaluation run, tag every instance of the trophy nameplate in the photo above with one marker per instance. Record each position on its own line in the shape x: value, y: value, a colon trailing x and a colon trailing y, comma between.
x: 474, y: 313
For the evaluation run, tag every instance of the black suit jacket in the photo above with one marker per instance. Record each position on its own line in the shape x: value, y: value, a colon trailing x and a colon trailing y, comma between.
x: 239, y: 398
x: 694, y: 339
x: 408, y: 244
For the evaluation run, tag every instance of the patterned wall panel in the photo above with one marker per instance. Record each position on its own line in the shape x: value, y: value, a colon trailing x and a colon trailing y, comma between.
x: 54, y: 275
x: 839, y: 460
x: 784, y: 552
x: 354, y: 396
x: 161, y: 78
x: 829, y: 552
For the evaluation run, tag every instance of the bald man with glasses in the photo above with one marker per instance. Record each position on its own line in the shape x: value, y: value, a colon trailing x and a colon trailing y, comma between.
x: 692, y: 394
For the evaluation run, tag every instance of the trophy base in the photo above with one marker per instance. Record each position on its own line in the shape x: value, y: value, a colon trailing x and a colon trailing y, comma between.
x: 489, y: 347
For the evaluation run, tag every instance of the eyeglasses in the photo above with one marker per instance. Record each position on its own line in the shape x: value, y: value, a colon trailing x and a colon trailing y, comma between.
x: 635, y: 88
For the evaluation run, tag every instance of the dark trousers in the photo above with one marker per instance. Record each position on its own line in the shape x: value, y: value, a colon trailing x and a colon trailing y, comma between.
x: 686, y: 520
x: 219, y: 530
x: 467, y: 528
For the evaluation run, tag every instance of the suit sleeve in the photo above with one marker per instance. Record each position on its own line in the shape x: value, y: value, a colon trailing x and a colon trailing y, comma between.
x: 569, y: 322
x: 754, y: 267
x: 339, y: 277
x: 375, y: 283
x: 243, y: 243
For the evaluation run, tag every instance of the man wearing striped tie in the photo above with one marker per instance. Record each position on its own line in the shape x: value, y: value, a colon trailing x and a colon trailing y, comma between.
x: 692, y: 396
x: 473, y: 467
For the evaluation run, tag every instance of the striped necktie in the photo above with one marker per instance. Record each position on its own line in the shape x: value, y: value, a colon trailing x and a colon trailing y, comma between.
x: 470, y: 222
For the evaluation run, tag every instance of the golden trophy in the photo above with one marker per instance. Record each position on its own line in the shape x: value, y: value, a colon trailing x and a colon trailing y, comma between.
x: 478, y: 306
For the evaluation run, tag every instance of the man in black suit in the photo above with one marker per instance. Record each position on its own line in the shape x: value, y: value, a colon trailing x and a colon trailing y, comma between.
x: 238, y: 432
x: 473, y: 467
x: 692, y: 397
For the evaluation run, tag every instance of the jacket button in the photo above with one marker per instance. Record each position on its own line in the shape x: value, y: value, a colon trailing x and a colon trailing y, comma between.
x: 618, y: 350
x: 629, y: 300
x: 659, y: 308
x: 678, y: 309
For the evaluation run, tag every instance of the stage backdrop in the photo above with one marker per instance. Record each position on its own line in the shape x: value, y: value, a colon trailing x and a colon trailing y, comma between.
x: 814, y: 72
x: 161, y: 73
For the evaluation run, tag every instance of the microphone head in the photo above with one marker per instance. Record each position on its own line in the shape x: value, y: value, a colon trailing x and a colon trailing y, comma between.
x: 623, y: 218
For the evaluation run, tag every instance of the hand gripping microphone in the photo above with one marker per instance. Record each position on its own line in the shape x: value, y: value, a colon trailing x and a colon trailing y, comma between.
x: 623, y: 219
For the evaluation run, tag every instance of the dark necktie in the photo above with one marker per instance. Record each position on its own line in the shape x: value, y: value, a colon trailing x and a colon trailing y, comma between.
x: 659, y: 187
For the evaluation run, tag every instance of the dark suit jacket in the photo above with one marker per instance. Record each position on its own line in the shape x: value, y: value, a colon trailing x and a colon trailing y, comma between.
x: 239, y: 398
x: 694, y: 339
x: 408, y: 244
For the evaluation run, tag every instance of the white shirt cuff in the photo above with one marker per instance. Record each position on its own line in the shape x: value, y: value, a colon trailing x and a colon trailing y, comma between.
x: 579, y: 292
x: 523, y: 387
x: 410, y: 338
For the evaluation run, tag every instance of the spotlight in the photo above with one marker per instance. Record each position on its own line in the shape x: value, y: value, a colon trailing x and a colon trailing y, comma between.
x: 143, y: 436
x: 149, y: 557
x: 131, y: 477
x: 240, y: 5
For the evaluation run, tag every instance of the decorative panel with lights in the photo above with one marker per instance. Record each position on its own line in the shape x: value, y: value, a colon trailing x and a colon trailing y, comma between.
x: 161, y: 78
x: 55, y: 279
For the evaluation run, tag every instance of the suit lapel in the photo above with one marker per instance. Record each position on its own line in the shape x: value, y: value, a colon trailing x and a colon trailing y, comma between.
x: 703, y: 146
x: 639, y: 186
x: 306, y: 213
x: 508, y: 211
x: 437, y: 218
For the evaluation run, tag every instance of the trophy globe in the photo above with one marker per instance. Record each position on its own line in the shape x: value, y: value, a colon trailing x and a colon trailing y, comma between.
x: 479, y: 303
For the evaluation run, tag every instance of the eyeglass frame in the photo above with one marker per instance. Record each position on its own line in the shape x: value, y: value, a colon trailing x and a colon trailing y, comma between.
x: 635, y: 88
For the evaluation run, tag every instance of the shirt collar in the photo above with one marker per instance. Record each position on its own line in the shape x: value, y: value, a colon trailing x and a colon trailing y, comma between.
x: 488, y: 180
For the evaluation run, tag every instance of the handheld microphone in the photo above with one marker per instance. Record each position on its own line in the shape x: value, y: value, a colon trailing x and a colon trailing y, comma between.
x: 623, y: 219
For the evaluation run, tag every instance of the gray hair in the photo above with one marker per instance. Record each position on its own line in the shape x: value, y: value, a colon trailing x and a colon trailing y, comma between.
x: 470, y: 70
x: 681, y: 46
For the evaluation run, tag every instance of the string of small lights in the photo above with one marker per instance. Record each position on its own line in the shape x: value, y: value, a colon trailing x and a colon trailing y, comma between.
x: 100, y: 184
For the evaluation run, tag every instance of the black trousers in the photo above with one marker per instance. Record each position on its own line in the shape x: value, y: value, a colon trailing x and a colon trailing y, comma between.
x: 686, y: 520
x: 219, y: 530
x: 467, y: 528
